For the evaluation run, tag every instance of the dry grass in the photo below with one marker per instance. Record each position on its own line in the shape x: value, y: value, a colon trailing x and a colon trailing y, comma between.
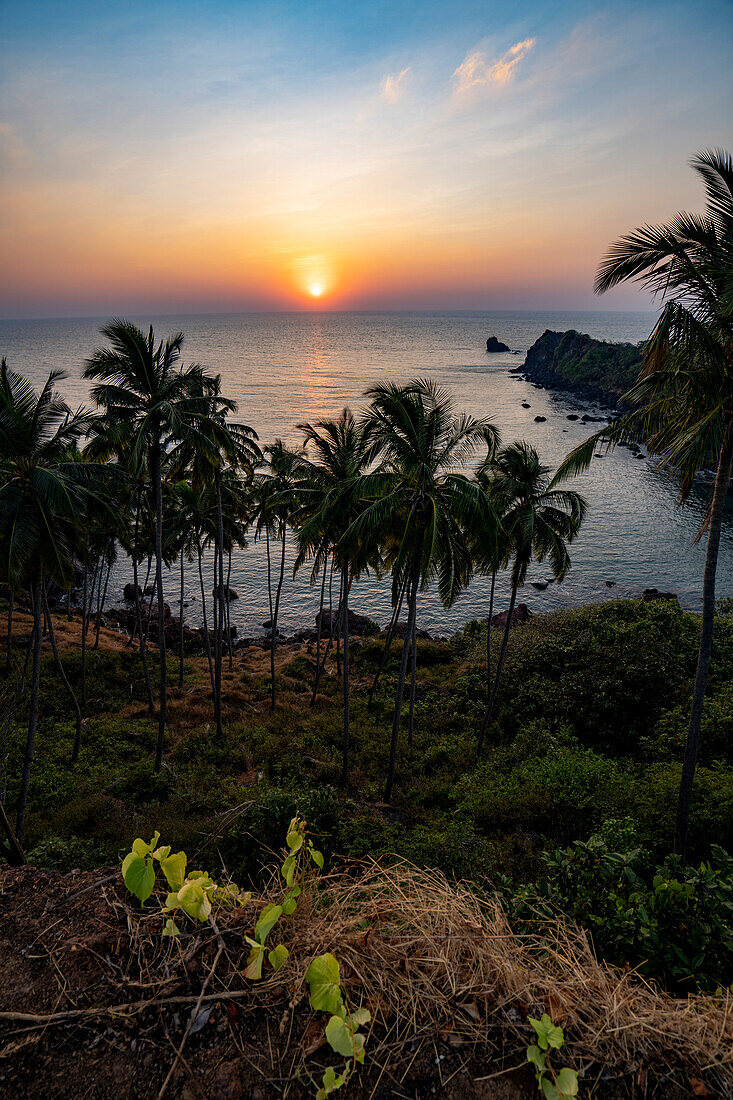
x: 431, y: 959
x: 428, y: 954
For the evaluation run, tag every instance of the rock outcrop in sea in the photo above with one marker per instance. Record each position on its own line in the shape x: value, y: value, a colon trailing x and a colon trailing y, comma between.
x: 493, y: 345
x: 594, y: 369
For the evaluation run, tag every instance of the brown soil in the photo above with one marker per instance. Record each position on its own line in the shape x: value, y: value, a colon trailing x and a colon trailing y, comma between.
x: 65, y: 946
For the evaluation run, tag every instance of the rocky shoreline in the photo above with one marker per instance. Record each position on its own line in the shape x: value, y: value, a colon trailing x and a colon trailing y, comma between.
x: 598, y: 371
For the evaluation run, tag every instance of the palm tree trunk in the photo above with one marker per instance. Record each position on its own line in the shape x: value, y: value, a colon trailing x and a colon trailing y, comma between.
x: 64, y: 680
x: 413, y: 674
x: 488, y: 636
x: 222, y: 616
x: 33, y: 712
x: 180, y: 629
x: 345, y: 628
x: 400, y: 689
x: 692, y: 743
x: 499, y: 667
x: 84, y: 637
x: 69, y: 616
x: 9, y: 648
x: 319, y: 669
x: 138, y: 615
x: 100, y: 609
x: 387, y: 644
x: 229, y: 612
x: 207, y: 643
x: 338, y: 631
x: 158, y: 486
x: 273, y: 636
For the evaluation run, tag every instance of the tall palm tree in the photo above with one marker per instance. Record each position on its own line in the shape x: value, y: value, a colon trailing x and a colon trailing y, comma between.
x: 683, y: 401
x: 420, y: 505
x: 42, y: 492
x: 142, y: 385
x: 273, y: 505
x: 538, y: 521
x: 212, y: 447
x: 329, y: 500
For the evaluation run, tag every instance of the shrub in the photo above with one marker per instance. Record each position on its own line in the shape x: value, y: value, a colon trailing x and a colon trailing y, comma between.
x: 673, y: 922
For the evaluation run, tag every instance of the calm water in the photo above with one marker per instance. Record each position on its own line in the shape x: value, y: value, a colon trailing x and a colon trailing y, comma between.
x: 286, y: 368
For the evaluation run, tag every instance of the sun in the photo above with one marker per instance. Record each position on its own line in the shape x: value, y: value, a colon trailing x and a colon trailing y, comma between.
x: 316, y: 290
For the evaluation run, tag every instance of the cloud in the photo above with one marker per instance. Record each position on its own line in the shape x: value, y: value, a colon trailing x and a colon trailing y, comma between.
x: 476, y: 70
x: 394, y: 85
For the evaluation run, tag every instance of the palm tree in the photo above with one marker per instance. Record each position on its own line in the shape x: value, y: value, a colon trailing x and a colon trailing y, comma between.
x: 683, y: 401
x: 420, y: 506
x: 42, y: 492
x: 143, y: 386
x: 213, y: 448
x: 538, y: 520
x: 490, y: 552
x: 274, y: 501
x: 329, y: 501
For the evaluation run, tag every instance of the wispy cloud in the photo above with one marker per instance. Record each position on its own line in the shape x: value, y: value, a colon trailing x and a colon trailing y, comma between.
x: 394, y: 85
x: 478, y: 70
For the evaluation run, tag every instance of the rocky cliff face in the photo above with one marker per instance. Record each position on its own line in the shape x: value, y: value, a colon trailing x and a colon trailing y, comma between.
x: 594, y: 369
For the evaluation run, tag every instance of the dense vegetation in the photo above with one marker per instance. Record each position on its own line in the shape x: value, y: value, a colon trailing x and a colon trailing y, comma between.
x: 579, y: 362
x: 589, y: 726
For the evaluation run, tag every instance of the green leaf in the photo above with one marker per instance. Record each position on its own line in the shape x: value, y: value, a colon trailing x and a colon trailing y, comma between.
x: 360, y: 1016
x: 171, y: 928
x: 174, y: 869
x: 332, y: 1082
x: 343, y: 1039
x: 138, y: 875
x: 324, y: 980
x: 278, y: 956
x: 288, y: 870
x: 549, y: 1089
x: 255, y: 960
x: 547, y: 1034
x: 536, y: 1057
x: 194, y: 900
x: 161, y: 853
x: 289, y: 906
x: 567, y: 1082
x: 317, y: 857
x: 269, y: 916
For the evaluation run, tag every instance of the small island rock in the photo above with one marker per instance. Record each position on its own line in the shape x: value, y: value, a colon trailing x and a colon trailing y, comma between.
x: 494, y: 345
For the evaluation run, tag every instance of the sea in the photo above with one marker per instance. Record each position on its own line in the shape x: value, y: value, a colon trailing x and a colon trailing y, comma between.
x: 286, y: 368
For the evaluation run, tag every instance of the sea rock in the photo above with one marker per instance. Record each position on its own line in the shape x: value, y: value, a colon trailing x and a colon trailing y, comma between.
x: 540, y: 585
x: 358, y: 624
x: 229, y: 593
x: 401, y: 629
x: 540, y: 419
x: 526, y: 405
x: 521, y: 614
x: 649, y: 595
x: 128, y: 592
x: 610, y: 584
x: 586, y: 418
x: 572, y: 416
x: 493, y: 345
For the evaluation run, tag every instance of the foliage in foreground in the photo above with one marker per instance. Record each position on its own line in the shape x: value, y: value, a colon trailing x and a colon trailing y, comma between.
x: 197, y: 897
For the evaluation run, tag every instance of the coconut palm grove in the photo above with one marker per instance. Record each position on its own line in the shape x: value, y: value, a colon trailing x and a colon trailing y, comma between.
x: 478, y: 843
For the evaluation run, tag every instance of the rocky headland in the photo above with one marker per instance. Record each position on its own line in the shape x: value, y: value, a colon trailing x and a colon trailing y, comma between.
x: 573, y: 361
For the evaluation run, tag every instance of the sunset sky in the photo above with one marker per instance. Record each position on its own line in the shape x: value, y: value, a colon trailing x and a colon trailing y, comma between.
x: 228, y: 156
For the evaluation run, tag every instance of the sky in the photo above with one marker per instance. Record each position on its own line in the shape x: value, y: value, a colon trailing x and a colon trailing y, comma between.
x: 227, y: 156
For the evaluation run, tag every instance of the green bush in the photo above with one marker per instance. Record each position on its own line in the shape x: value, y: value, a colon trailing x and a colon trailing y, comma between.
x: 673, y: 922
